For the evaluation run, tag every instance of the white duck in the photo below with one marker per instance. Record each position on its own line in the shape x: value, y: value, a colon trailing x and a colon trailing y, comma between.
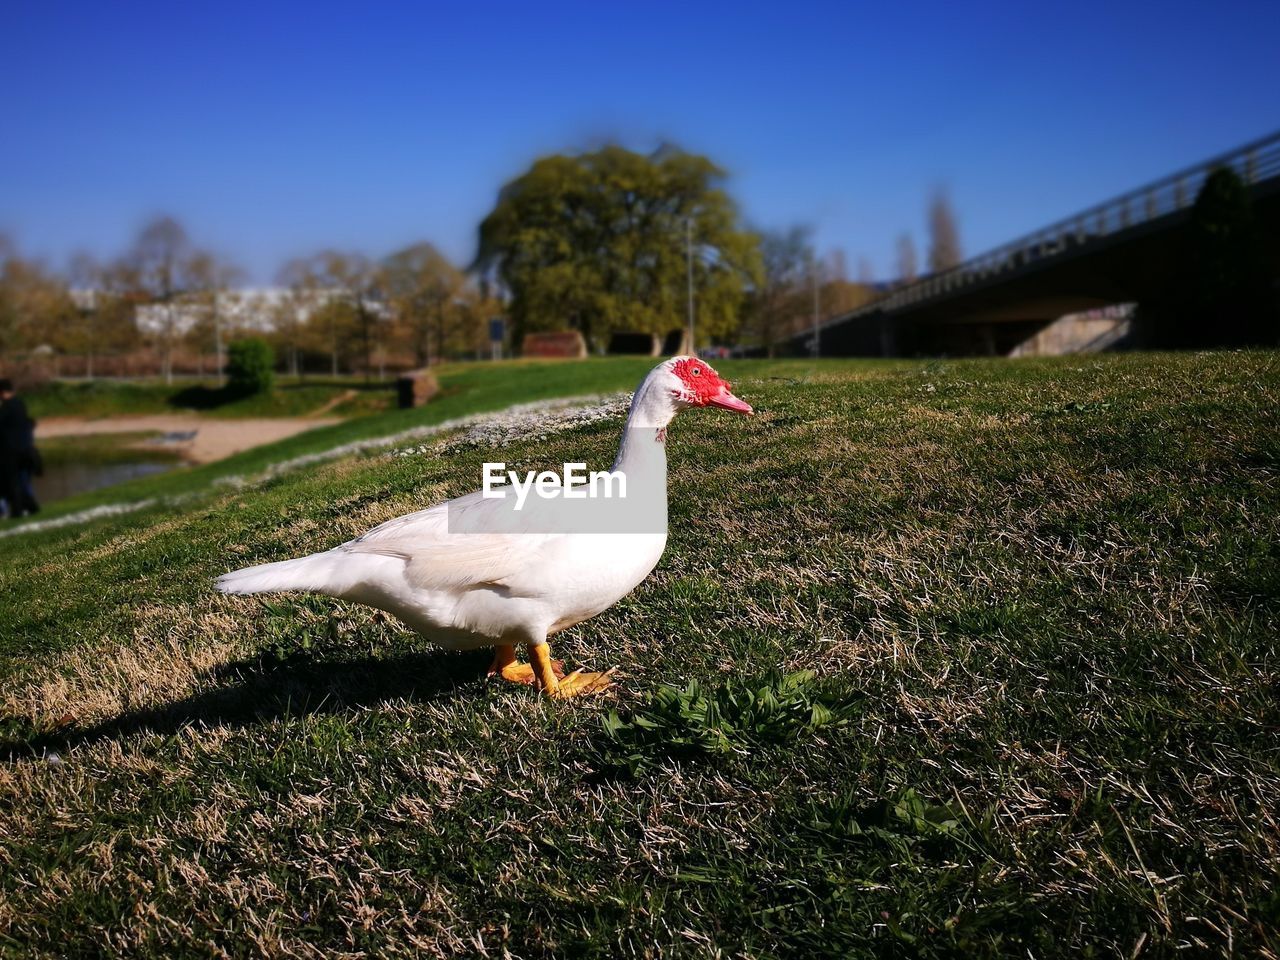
x: 472, y: 573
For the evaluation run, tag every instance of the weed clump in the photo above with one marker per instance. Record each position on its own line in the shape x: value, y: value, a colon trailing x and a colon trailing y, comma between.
x: 897, y: 823
x: 698, y: 722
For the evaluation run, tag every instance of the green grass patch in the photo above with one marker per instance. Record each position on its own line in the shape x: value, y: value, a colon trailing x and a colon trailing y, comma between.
x: 963, y: 658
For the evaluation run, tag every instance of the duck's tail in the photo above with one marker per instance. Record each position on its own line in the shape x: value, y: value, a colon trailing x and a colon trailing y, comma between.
x: 314, y: 573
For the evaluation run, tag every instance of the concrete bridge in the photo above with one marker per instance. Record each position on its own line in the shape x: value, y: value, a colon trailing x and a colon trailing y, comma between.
x: 1109, y: 254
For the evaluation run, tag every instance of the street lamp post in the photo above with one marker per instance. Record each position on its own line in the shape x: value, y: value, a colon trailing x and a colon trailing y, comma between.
x: 688, y: 243
x: 817, y: 333
x: 217, y: 342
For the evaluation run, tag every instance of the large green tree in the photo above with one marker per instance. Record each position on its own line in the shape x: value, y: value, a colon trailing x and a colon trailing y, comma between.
x: 597, y: 242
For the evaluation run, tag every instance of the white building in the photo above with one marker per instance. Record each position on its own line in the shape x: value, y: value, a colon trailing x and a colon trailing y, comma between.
x: 258, y: 309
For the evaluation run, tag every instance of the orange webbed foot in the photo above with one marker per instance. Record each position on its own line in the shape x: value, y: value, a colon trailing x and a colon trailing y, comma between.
x: 523, y: 672
x: 506, y: 666
x: 580, y: 682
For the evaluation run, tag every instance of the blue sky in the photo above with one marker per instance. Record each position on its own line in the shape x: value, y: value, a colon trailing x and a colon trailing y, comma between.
x: 274, y: 129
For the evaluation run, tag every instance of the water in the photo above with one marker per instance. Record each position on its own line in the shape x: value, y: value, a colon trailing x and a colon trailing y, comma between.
x: 65, y: 480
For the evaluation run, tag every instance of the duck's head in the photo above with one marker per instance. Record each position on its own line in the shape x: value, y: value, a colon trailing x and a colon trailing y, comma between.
x: 691, y: 382
x: 676, y: 384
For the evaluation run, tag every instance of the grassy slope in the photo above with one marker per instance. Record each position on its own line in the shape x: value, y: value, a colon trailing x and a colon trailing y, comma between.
x: 1043, y: 595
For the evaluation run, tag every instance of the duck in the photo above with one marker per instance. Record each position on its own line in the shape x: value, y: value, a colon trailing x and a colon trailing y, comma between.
x: 493, y: 570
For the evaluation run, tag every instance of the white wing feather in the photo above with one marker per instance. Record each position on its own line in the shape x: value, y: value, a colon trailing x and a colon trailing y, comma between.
x: 438, y: 559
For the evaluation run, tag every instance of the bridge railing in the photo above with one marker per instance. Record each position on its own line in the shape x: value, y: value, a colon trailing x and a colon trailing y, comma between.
x: 1253, y: 162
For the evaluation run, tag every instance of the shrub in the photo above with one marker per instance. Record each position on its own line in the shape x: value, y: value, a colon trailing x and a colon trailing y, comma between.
x: 250, y: 366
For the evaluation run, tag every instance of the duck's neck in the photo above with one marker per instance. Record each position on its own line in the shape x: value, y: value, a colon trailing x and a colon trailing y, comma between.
x: 642, y: 454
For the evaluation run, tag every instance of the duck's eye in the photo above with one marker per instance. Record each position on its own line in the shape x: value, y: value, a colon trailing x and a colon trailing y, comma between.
x: 697, y: 371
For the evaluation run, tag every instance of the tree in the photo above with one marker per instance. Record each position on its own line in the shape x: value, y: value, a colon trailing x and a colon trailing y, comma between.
x: 837, y: 266
x: 105, y: 296
x: 907, y: 265
x: 841, y: 296
x: 944, y: 235
x: 777, y: 303
x: 597, y: 241
x: 333, y: 306
x: 1217, y: 291
x: 161, y: 258
x: 211, y: 281
x: 86, y: 277
x: 35, y: 308
x: 290, y: 318
x: 431, y: 299
x: 347, y: 309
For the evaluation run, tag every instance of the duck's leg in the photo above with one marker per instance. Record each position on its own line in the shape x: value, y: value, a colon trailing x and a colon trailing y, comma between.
x: 560, y: 686
x: 506, y: 666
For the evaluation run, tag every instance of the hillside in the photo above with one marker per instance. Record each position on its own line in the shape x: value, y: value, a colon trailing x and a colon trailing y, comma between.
x: 944, y: 658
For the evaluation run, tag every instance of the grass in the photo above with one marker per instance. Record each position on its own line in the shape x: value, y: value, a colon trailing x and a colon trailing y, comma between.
x: 943, y: 659
x: 292, y: 397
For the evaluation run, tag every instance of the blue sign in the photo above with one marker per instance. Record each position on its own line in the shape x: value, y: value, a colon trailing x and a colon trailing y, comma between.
x: 497, y: 329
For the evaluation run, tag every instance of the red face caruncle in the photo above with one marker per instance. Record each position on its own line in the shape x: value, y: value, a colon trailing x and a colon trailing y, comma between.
x: 704, y: 387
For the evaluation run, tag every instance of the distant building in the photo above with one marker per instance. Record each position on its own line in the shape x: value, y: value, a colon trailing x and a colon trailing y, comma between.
x: 86, y: 300
x: 258, y: 309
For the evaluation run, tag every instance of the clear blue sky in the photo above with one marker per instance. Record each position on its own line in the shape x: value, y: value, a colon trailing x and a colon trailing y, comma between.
x: 274, y: 129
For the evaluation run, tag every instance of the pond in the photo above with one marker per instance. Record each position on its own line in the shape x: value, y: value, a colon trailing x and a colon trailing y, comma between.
x: 62, y: 480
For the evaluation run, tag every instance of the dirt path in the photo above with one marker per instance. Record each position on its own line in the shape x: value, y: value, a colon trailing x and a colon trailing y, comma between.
x: 340, y: 398
x: 213, y: 439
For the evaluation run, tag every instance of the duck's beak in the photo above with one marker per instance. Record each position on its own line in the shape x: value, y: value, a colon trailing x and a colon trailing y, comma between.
x: 728, y: 401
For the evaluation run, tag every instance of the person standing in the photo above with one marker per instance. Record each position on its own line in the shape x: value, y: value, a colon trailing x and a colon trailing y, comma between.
x: 18, y: 455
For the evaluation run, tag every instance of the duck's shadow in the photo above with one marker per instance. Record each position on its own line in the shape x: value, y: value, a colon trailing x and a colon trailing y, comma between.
x: 263, y: 689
